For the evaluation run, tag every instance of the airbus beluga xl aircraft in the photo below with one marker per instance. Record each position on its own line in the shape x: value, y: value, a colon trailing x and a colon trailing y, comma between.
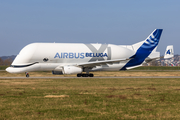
x: 76, y: 58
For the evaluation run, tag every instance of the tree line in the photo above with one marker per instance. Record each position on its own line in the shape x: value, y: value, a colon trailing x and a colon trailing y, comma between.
x: 5, y: 62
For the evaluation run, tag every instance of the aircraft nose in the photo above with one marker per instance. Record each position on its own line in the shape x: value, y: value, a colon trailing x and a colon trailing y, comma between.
x: 15, y: 70
x: 8, y: 69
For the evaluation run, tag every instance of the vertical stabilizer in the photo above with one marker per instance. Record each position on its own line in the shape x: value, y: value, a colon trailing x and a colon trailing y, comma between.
x: 169, y: 53
x: 150, y: 42
x: 144, y: 48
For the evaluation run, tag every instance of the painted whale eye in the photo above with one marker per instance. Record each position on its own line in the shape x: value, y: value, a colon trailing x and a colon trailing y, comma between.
x: 45, y: 59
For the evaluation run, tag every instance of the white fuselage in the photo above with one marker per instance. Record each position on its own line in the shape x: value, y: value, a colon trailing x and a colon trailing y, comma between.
x: 53, y: 56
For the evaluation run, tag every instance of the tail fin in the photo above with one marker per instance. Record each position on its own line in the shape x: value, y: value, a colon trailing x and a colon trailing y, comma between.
x: 144, y: 48
x: 169, y: 53
x: 150, y: 42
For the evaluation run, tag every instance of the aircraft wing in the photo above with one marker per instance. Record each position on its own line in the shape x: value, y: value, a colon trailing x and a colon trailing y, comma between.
x: 98, y: 63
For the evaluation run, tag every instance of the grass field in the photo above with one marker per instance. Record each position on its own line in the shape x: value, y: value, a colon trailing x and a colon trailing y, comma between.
x: 101, y: 73
x: 97, y: 98
x: 90, y: 98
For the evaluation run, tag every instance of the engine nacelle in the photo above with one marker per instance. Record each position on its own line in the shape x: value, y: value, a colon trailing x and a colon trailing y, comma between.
x: 71, y: 70
x: 57, y: 72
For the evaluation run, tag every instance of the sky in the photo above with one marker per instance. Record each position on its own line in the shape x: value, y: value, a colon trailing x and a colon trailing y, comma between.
x: 120, y: 22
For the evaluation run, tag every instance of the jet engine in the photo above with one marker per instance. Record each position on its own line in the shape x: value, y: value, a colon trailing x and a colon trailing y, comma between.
x: 57, y: 72
x: 71, y: 70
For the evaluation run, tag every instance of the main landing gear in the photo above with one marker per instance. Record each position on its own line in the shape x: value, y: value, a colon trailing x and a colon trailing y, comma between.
x: 85, y: 75
x: 27, y: 74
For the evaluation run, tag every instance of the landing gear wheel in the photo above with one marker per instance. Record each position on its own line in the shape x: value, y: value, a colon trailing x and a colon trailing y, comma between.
x: 85, y: 75
x: 27, y: 75
x: 91, y: 75
x: 79, y: 75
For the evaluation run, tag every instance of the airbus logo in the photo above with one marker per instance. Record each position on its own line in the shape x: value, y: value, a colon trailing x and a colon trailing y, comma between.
x: 95, y: 54
x: 169, y: 51
x: 79, y: 55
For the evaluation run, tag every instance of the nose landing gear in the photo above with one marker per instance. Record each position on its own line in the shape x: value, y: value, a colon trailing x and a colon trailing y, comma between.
x: 27, y: 74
